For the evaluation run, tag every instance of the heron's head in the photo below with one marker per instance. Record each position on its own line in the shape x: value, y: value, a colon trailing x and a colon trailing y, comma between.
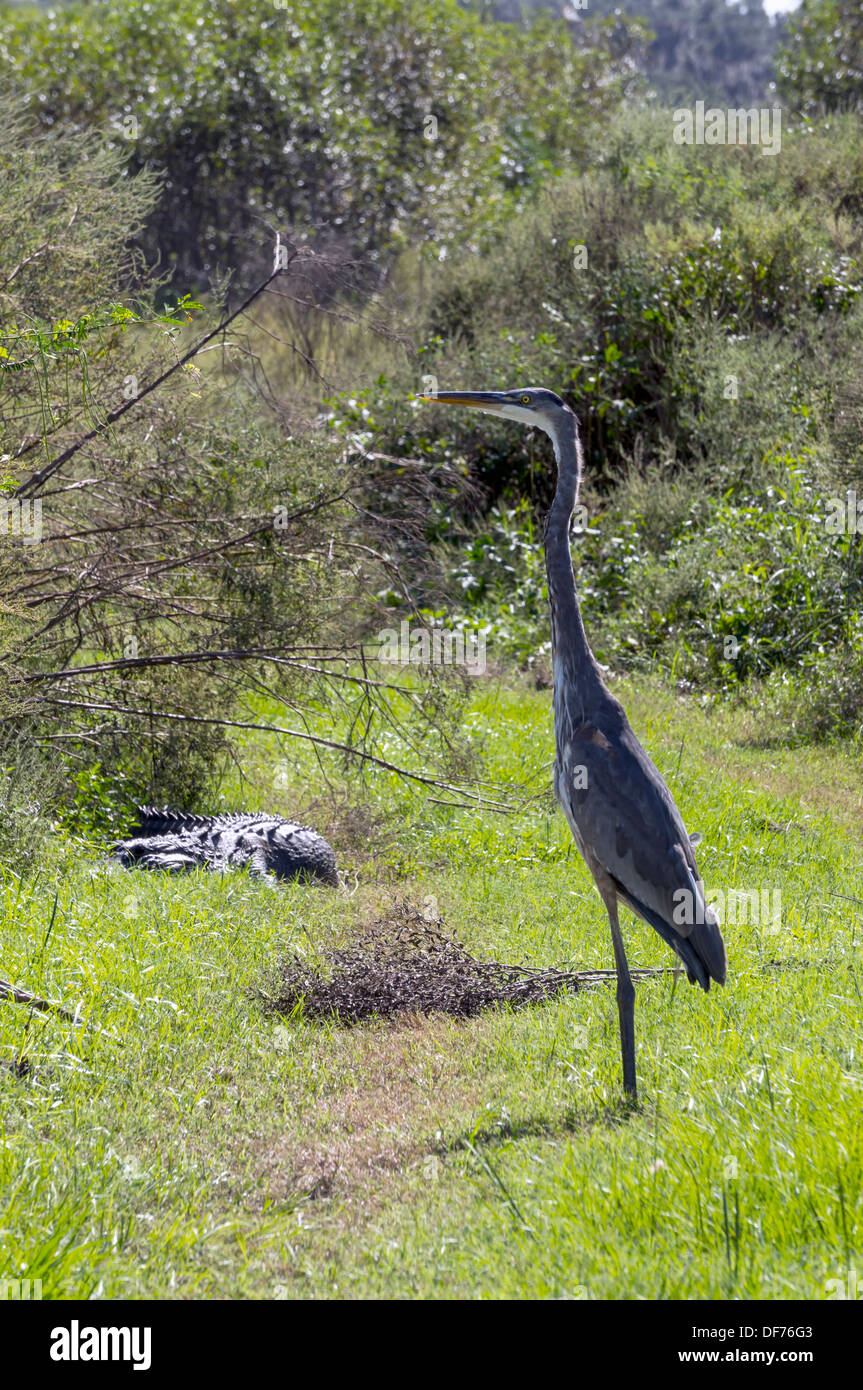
x: 531, y: 405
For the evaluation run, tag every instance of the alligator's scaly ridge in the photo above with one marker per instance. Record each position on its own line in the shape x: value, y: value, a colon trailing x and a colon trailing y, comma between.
x: 270, y: 847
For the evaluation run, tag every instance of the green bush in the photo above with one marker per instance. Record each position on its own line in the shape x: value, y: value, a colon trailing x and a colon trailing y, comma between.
x: 700, y: 279
x: 314, y: 114
x: 722, y: 591
x: 820, y: 66
x: 717, y: 317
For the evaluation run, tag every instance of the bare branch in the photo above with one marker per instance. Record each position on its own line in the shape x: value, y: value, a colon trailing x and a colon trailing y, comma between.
x: 479, y: 800
x: 32, y: 484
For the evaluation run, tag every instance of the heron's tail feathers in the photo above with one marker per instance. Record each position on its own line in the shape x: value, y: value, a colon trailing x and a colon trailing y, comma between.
x: 702, y: 951
x: 706, y: 944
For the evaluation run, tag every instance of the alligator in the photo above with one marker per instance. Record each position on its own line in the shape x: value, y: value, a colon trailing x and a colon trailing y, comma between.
x: 271, y: 848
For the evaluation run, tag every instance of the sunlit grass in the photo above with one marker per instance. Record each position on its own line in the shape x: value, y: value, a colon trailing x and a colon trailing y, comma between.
x: 182, y: 1144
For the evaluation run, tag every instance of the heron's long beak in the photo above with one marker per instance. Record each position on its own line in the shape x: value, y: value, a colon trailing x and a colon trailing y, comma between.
x: 480, y: 400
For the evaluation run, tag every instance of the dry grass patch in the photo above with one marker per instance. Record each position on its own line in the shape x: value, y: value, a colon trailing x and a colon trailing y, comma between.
x: 406, y: 1081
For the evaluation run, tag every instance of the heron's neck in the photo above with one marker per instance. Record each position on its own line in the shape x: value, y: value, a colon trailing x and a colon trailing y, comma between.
x: 576, y: 672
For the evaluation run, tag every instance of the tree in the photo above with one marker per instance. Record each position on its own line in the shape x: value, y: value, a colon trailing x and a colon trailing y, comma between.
x: 161, y: 562
x: 377, y: 123
x: 820, y: 67
x: 713, y: 50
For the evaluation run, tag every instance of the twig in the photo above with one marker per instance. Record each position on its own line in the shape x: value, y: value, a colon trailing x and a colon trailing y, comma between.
x: 480, y: 800
x: 35, y: 481
x: 267, y: 654
x: 35, y: 1001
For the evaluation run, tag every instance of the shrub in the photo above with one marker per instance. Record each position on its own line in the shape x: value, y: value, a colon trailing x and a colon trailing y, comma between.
x: 316, y: 114
x: 195, y: 554
x: 820, y: 66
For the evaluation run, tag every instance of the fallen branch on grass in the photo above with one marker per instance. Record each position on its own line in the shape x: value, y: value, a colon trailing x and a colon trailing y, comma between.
x: 35, y: 1001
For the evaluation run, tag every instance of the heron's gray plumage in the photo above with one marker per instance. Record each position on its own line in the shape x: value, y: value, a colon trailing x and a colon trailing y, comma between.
x: 617, y: 803
x: 620, y: 808
x: 621, y: 813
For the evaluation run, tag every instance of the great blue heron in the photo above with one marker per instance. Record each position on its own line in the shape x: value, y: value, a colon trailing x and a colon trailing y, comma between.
x: 620, y: 811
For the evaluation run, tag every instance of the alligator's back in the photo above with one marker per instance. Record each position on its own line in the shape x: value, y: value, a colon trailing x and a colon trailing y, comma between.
x: 269, y: 846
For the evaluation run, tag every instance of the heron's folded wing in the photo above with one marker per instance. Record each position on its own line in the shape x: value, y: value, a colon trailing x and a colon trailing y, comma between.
x: 625, y: 813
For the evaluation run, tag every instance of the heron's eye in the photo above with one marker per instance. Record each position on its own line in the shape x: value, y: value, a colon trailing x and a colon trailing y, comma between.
x: 525, y: 400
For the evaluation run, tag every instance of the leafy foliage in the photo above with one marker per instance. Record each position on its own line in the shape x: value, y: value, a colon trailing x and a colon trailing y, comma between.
x: 388, y: 124
x: 721, y: 590
x: 692, y: 311
x: 820, y: 67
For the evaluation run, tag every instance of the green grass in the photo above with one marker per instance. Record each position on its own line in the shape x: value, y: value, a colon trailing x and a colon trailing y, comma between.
x: 197, y: 1148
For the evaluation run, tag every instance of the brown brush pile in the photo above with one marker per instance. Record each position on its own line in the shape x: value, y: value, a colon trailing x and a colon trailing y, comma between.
x: 404, y: 964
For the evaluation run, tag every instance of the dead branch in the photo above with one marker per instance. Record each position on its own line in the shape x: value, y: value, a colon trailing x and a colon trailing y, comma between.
x: 32, y: 484
x: 346, y: 748
x: 35, y: 1001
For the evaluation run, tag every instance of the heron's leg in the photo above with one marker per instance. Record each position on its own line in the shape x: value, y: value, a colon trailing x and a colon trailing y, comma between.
x: 625, y: 1000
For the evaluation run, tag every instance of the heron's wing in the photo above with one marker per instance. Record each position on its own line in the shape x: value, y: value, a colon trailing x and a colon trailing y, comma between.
x: 622, y: 811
